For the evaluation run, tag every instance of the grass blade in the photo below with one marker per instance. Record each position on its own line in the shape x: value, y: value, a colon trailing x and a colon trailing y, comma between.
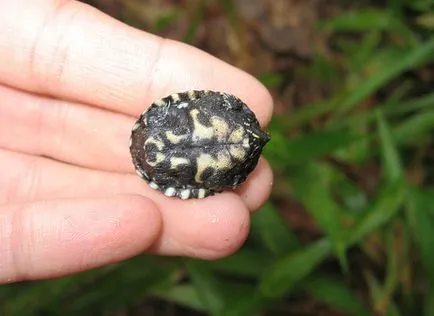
x: 288, y: 271
x: 388, y: 203
x: 421, y: 218
x: 299, y: 150
x: 126, y: 285
x: 335, y: 293
x: 245, y: 263
x: 375, y: 289
x: 361, y: 20
x: 207, y: 286
x: 415, y: 128
x: 428, y: 308
x: 390, y: 157
x: 271, y: 231
x: 32, y: 297
x: 311, y: 187
x: 184, y: 295
x: 390, y: 64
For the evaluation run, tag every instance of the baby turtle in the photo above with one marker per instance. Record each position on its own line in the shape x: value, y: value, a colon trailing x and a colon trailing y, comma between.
x: 195, y: 143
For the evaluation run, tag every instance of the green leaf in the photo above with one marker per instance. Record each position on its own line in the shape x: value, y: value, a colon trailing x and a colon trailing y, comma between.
x: 129, y: 283
x: 308, y: 113
x: 240, y: 298
x: 243, y: 300
x: 389, y: 64
x: 272, y: 231
x: 246, y: 263
x: 421, y: 5
x: 426, y: 20
x: 354, y: 200
x: 384, y: 208
x: 389, y: 110
x: 250, y: 306
x: 361, y: 20
x: 393, y: 268
x: 335, y: 293
x: 271, y: 80
x: 108, y: 288
x: 196, y: 10
x: 429, y: 301
x: 421, y: 218
x: 165, y: 20
x: 308, y: 147
x: 390, y: 157
x: 415, y: 127
x: 311, y: 187
x: 30, y: 298
x: 423, y: 102
x: 361, y: 52
x: 389, y: 309
x: 207, y: 286
x: 288, y: 271
x: 184, y: 295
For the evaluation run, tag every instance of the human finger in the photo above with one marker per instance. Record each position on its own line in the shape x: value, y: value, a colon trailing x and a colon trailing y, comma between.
x: 66, y: 131
x: 48, y: 239
x: 207, y: 228
x: 70, y: 50
x: 255, y: 191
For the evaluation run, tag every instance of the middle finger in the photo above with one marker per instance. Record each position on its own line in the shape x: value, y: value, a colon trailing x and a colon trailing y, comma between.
x: 66, y: 131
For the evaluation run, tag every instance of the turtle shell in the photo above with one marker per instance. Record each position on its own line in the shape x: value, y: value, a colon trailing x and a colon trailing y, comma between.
x: 195, y: 143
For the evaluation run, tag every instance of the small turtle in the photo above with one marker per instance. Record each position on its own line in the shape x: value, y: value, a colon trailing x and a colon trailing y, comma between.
x: 195, y: 143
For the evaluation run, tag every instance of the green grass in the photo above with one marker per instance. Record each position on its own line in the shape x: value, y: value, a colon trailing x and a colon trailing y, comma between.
x: 371, y: 250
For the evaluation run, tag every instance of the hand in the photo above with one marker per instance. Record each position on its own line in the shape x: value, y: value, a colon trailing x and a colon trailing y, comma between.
x: 72, y: 83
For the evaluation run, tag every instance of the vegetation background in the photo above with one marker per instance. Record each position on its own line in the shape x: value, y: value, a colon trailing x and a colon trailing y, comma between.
x: 349, y: 228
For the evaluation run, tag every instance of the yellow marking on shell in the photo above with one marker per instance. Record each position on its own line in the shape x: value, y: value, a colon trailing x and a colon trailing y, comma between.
x: 201, y: 194
x: 153, y: 185
x: 254, y: 135
x: 170, y: 191
x: 175, y: 97
x: 192, y: 94
x: 136, y: 126
x: 200, y: 131
x: 185, y: 194
x: 176, y: 161
x: 246, y: 142
x: 237, y: 135
x: 237, y: 152
x: 159, y: 102
x: 204, y: 161
x: 182, y: 105
x: 221, y: 128
x: 158, y: 143
x: 174, y: 139
x: 159, y: 158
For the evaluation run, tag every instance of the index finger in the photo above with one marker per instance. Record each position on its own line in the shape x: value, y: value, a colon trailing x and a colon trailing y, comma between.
x: 70, y: 50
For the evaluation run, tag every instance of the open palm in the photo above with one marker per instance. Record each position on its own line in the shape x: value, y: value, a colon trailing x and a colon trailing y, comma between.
x: 72, y: 82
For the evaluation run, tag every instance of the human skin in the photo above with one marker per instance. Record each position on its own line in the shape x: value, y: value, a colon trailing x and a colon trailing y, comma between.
x: 72, y: 83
